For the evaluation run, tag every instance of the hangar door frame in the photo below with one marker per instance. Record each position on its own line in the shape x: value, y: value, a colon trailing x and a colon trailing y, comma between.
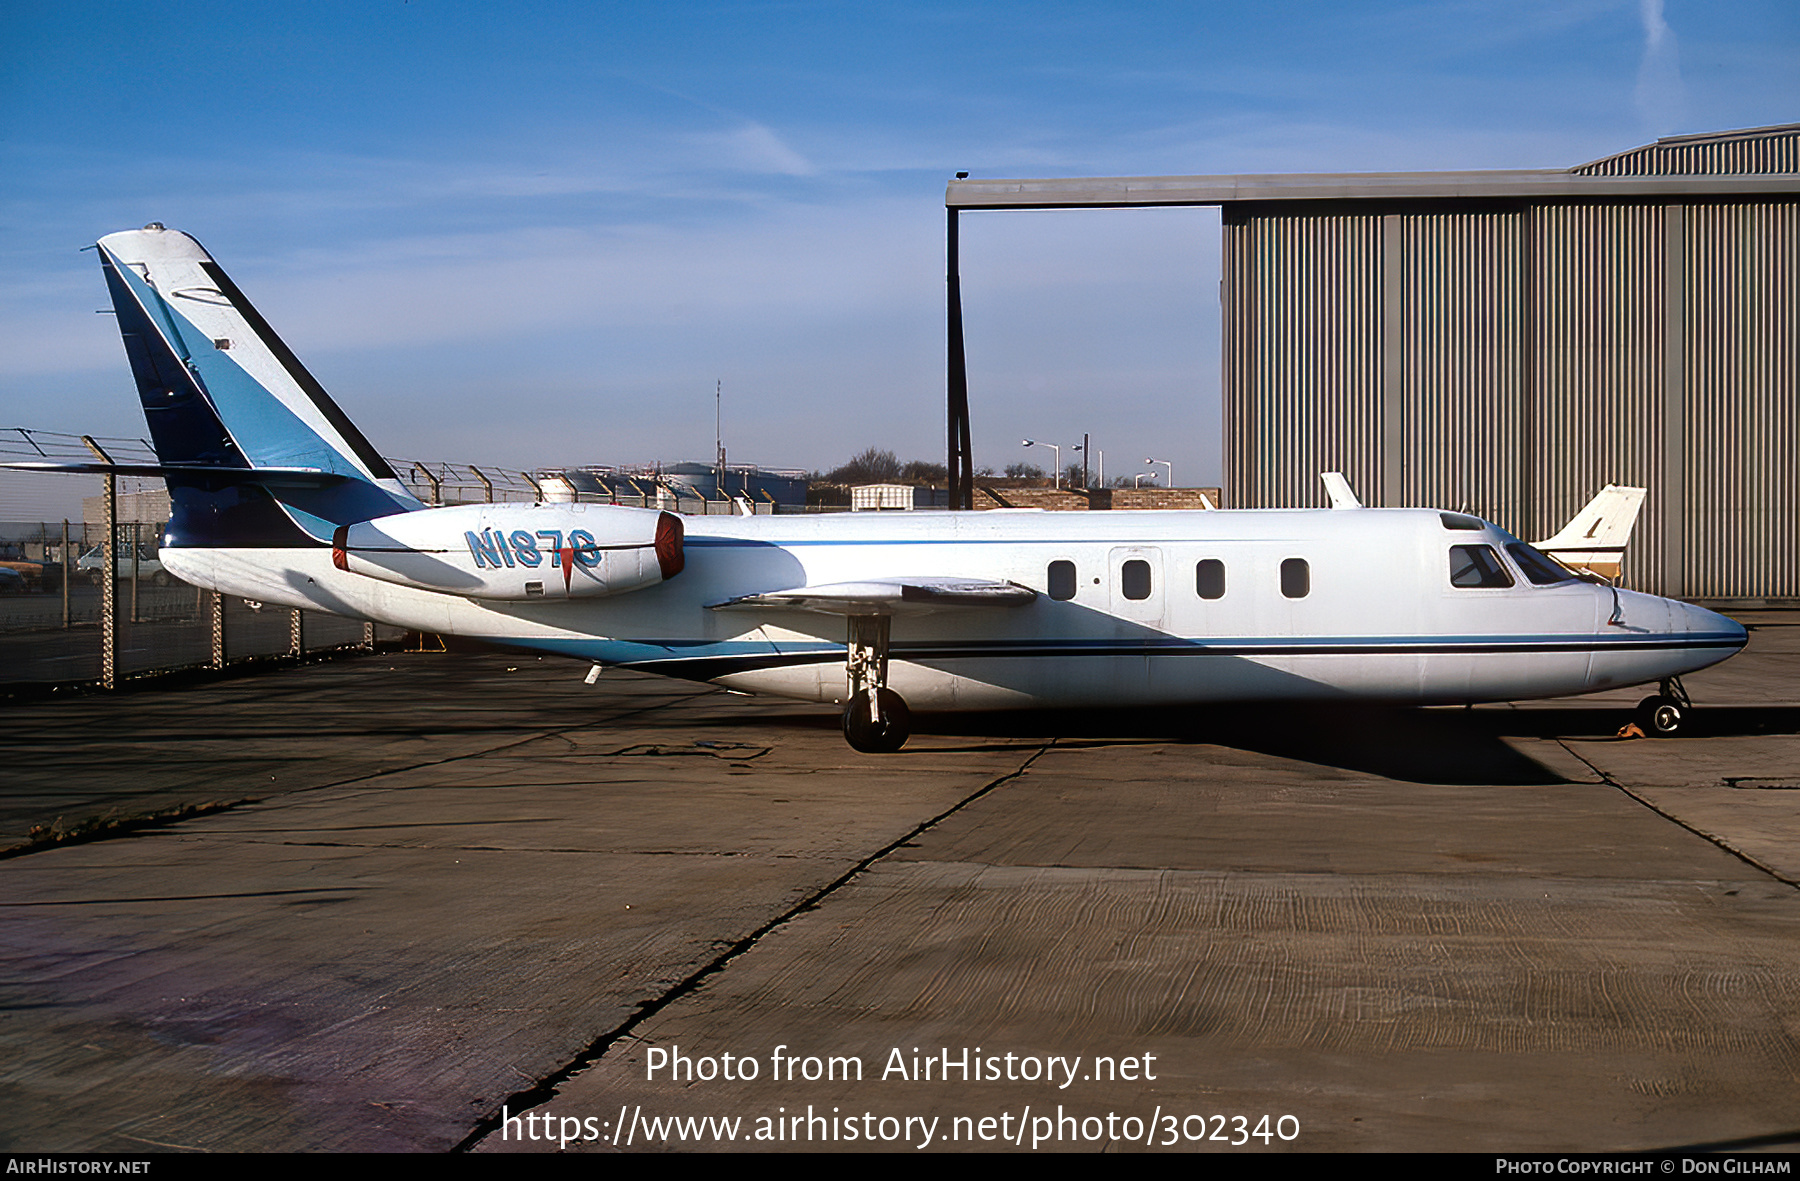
x: 1384, y: 197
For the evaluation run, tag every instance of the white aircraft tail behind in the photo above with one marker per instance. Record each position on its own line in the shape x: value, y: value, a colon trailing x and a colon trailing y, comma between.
x: 1594, y: 540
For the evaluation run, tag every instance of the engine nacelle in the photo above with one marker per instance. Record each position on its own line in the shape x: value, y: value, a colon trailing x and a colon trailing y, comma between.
x: 516, y: 552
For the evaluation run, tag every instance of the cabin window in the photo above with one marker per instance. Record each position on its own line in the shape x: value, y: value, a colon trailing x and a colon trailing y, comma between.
x: 1134, y: 579
x: 1477, y: 567
x: 1296, y: 578
x: 1062, y: 580
x: 1209, y: 579
x: 1539, y: 568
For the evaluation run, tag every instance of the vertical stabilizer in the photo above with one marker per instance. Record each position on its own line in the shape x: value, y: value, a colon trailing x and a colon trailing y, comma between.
x: 220, y: 389
x: 1338, y: 488
x: 1594, y: 540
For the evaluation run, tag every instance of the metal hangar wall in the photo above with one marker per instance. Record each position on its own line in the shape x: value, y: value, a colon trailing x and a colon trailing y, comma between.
x: 1508, y: 342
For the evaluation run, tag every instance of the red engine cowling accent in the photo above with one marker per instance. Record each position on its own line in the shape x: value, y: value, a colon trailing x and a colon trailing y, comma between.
x: 670, y: 557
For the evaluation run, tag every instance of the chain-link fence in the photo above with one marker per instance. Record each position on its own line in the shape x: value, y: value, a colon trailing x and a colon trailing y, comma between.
x: 76, y: 610
x: 84, y: 597
x: 647, y: 487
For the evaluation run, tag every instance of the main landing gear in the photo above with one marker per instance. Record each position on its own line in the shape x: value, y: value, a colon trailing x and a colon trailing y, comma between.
x: 1665, y: 715
x: 876, y: 720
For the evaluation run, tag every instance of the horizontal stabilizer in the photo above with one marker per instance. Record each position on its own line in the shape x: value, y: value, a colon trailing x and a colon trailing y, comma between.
x: 280, y: 477
x: 887, y: 596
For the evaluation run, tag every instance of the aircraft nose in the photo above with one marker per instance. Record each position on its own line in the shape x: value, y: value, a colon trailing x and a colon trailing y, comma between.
x: 1698, y: 621
x: 1658, y: 638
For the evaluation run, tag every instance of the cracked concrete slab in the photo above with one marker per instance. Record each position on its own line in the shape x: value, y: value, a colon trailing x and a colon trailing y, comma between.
x: 476, y: 883
x: 377, y: 963
x: 1737, y: 779
x: 1399, y: 966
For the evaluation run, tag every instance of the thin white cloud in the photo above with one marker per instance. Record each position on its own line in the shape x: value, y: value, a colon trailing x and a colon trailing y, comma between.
x: 754, y: 147
x: 599, y: 344
x: 1660, y: 96
x: 796, y: 262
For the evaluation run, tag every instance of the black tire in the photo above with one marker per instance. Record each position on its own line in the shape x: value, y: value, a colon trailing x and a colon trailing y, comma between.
x: 884, y: 738
x: 1660, y: 717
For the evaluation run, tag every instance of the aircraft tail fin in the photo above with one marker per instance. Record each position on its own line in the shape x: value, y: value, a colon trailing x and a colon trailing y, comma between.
x: 221, y: 391
x: 1338, y: 488
x: 1594, y: 540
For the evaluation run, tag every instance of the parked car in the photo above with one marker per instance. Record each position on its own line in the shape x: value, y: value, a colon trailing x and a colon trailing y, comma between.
x: 38, y: 576
x: 148, y: 568
x: 31, y: 574
x: 11, y: 581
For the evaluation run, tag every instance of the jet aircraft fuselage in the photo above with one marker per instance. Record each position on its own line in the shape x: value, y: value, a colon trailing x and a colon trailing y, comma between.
x: 278, y: 498
x: 1131, y: 608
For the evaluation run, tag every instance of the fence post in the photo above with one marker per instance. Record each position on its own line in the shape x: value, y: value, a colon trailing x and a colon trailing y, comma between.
x: 437, y: 485
x: 66, y: 568
x: 109, y: 555
x: 137, y: 541
x: 218, y: 630
x: 109, y: 595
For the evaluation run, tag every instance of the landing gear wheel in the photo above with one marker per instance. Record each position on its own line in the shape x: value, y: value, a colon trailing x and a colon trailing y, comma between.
x: 881, y: 737
x: 1661, y: 717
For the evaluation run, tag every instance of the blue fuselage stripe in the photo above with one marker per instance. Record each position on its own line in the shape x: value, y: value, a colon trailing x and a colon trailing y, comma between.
x: 718, y: 658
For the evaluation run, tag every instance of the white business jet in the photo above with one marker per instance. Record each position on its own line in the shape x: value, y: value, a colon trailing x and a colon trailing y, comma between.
x: 277, y: 497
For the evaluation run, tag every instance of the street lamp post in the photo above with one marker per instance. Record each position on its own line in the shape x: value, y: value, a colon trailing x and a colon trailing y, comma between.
x: 1056, y: 479
x: 1100, y: 456
x: 1168, y: 465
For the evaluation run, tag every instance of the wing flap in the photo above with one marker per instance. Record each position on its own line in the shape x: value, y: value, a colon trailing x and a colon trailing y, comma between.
x: 886, y: 596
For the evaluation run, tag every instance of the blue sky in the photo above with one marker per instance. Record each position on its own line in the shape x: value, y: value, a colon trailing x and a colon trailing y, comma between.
x: 539, y: 234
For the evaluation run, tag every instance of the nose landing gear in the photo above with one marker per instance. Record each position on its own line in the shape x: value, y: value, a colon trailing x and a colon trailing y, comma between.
x: 1666, y: 714
x: 876, y: 720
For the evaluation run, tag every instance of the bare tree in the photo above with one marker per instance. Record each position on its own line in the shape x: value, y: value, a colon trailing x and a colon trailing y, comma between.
x: 873, y: 466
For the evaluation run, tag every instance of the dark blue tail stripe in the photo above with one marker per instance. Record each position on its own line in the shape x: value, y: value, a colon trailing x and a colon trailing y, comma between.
x: 184, y: 426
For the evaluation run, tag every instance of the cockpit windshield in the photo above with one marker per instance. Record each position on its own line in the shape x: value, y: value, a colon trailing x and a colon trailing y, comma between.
x: 1477, y: 566
x: 1541, y: 569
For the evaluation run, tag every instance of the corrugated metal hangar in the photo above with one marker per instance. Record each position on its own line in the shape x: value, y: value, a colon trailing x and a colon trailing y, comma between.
x: 1509, y: 342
